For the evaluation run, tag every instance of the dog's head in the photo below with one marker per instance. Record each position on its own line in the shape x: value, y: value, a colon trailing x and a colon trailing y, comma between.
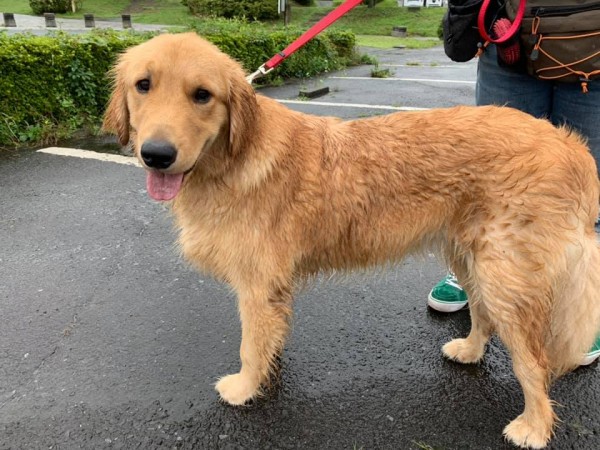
x: 180, y: 97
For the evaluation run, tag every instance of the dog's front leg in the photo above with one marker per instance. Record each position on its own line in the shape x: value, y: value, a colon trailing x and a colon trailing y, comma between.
x: 265, y: 315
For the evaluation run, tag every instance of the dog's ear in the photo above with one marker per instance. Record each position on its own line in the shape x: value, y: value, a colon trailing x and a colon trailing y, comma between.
x: 116, y: 117
x: 243, y: 109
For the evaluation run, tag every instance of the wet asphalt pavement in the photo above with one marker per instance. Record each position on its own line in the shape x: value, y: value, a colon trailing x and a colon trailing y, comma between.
x: 108, y: 339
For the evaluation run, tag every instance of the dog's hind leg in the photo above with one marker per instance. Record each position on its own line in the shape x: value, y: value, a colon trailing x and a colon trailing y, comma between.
x: 517, y: 291
x: 534, y: 427
x: 265, y: 314
x: 576, y: 312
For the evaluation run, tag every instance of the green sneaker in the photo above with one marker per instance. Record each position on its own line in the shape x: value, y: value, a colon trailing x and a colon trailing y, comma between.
x: 593, y: 354
x: 447, y: 296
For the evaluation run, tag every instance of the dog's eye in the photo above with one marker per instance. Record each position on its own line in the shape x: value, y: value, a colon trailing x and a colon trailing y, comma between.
x: 143, y: 86
x: 201, y: 96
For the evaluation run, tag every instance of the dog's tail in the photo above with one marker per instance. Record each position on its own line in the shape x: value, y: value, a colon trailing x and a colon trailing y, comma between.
x: 575, y: 317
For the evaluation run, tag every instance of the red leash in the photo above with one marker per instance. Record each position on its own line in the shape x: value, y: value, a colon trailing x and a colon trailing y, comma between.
x: 302, y: 40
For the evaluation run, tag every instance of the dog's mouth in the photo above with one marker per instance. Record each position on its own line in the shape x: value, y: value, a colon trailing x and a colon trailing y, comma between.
x: 163, y: 186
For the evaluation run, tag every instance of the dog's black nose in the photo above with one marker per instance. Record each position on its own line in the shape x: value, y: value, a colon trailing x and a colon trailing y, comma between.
x: 158, y: 154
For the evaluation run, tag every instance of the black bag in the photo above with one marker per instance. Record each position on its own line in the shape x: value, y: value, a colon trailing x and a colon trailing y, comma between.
x: 462, y: 39
x: 560, y: 39
x: 459, y: 26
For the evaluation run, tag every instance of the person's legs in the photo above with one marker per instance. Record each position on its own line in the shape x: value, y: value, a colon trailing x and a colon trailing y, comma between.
x: 498, y: 85
x: 579, y: 110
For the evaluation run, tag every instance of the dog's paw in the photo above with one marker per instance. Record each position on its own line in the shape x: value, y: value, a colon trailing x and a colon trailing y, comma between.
x: 237, y: 389
x: 462, y: 351
x: 521, y: 433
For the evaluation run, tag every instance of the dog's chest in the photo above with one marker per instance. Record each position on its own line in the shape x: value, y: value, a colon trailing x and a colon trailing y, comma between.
x: 216, y: 238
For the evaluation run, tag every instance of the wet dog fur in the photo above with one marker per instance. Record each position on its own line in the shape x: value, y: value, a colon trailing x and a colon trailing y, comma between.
x: 270, y: 197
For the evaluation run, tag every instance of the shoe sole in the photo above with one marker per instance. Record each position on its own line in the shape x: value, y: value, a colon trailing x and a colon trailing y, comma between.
x: 590, y: 358
x: 446, y: 307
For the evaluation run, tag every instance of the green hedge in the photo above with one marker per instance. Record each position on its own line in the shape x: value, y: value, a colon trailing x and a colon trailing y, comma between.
x: 50, y: 6
x: 54, y: 86
x: 51, y: 86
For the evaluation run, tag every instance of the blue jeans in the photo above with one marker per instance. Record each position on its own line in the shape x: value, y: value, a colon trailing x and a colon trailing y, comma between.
x: 561, y: 103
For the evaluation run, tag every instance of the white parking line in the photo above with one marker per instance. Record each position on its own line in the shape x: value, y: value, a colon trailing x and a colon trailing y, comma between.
x: 351, y: 105
x: 428, y: 66
x: 88, y: 154
x: 416, y: 80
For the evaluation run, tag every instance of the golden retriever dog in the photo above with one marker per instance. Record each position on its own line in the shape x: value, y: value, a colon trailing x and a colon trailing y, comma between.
x: 265, y: 197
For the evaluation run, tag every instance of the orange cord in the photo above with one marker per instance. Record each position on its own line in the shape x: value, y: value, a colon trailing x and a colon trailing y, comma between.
x: 567, y: 67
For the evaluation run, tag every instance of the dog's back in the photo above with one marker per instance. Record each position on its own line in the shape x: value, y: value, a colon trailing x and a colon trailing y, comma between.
x: 386, y: 186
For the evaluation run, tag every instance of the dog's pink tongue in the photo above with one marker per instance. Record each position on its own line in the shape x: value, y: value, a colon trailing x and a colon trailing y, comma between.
x: 162, y: 186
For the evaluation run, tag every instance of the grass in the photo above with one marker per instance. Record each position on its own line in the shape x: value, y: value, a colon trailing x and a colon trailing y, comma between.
x: 159, y: 10
x: 15, y: 6
x: 378, y: 20
x: 363, y: 20
x: 391, y: 42
x: 101, y: 9
x: 377, y: 72
x: 423, y: 445
x: 164, y: 12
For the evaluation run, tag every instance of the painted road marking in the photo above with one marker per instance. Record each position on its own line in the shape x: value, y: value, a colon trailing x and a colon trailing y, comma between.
x: 88, y: 154
x: 415, y: 80
x: 427, y: 66
x: 352, y: 105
